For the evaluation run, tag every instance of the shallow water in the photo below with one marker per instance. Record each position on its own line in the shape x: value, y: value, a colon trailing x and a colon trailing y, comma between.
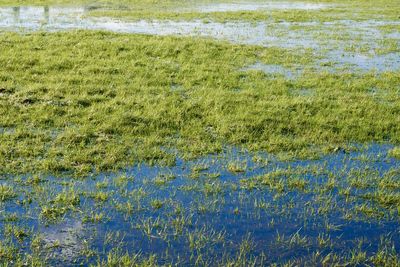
x: 365, y: 63
x: 208, y: 209
x: 275, y: 70
x: 248, y: 6
x: 269, y: 34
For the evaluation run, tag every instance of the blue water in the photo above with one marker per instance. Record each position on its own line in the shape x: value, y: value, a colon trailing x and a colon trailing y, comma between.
x: 221, y: 211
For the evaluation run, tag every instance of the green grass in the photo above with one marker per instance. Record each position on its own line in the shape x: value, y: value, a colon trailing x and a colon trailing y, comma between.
x: 6, y: 193
x: 85, y: 102
x: 395, y: 152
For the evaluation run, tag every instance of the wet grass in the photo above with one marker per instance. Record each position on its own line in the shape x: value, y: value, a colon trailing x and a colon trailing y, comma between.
x: 83, y: 102
x: 395, y: 152
x: 334, y: 10
x: 181, y: 10
x: 137, y: 150
x: 341, y: 209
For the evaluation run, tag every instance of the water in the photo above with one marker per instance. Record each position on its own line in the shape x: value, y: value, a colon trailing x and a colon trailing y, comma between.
x: 269, y: 34
x: 202, y: 207
x: 249, y: 6
x: 366, y: 63
x: 275, y: 70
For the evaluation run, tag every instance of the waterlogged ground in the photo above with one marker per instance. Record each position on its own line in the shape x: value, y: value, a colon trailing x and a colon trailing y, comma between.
x: 208, y: 133
x: 358, y: 45
x: 233, y: 207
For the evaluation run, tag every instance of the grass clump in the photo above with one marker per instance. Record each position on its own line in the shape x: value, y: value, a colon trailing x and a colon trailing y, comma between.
x: 52, y: 213
x: 6, y: 193
x: 395, y: 152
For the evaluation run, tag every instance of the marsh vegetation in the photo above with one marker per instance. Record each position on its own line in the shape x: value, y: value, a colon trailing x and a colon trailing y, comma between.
x: 147, y: 133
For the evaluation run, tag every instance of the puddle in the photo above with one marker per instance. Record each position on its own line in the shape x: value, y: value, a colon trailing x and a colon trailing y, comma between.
x: 304, y: 92
x: 68, y: 239
x: 7, y: 130
x: 272, y: 69
x: 366, y: 63
x: 41, y: 18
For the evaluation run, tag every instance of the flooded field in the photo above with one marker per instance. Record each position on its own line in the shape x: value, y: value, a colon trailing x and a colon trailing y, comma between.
x: 229, y: 207
x: 255, y: 6
x: 214, y: 133
x: 294, y: 35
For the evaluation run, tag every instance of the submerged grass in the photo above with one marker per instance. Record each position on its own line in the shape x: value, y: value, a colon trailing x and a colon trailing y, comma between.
x: 94, y: 101
x: 248, y: 213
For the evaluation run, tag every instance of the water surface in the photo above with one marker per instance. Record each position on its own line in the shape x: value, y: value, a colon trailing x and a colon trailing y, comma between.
x: 210, y: 206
